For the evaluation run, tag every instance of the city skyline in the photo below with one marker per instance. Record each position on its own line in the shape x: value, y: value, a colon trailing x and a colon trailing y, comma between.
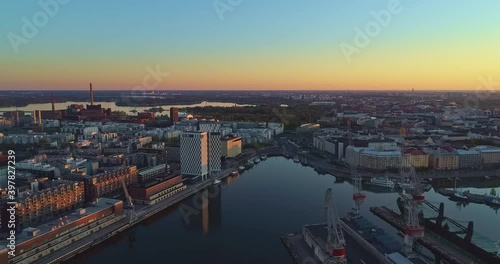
x: 249, y: 45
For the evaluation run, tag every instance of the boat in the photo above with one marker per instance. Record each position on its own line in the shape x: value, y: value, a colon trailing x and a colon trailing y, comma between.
x: 263, y: 157
x: 241, y: 168
x: 409, y: 186
x: 216, y: 182
x: 404, y: 185
x: 459, y: 196
x: 296, y: 159
x: 495, y: 202
x: 382, y: 182
x: 249, y: 165
x: 234, y: 173
x: 256, y: 161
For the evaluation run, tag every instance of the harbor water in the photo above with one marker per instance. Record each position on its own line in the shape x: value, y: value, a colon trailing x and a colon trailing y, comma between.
x: 241, y: 219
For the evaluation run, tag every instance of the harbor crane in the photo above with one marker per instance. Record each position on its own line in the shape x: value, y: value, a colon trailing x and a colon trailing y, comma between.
x: 335, y: 244
x: 132, y: 215
x: 413, y: 229
x: 412, y: 196
x: 411, y: 183
x: 358, y: 196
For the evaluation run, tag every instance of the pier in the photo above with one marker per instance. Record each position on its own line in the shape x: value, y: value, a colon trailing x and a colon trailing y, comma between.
x: 358, y: 251
x: 439, y: 245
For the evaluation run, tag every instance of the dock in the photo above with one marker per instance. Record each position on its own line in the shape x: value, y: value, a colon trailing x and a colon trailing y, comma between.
x: 440, y: 247
x: 358, y: 251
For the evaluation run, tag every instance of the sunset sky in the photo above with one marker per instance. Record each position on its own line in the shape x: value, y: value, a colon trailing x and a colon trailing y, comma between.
x: 260, y: 44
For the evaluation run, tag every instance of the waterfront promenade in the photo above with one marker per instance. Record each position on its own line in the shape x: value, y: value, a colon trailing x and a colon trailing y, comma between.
x: 142, y: 214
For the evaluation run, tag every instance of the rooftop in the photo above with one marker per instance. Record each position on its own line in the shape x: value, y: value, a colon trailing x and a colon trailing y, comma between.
x: 101, y: 204
x: 152, y: 169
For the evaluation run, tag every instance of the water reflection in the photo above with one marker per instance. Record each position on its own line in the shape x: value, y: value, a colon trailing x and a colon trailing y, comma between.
x: 114, y: 107
x: 202, y: 211
x: 274, y: 197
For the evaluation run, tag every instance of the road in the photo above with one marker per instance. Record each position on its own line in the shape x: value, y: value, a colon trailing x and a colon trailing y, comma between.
x: 142, y: 214
x: 326, y: 165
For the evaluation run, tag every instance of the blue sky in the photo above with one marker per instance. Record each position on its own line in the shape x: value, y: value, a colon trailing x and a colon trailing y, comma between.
x: 187, y: 34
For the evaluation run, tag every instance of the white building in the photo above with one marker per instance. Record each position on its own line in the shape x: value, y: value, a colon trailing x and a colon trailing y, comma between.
x: 194, y: 154
x: 371, y: 158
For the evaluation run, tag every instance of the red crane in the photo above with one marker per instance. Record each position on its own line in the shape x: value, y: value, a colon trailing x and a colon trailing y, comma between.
x: 413, y: 197
x: 335, y: 244
x: 359, y: 197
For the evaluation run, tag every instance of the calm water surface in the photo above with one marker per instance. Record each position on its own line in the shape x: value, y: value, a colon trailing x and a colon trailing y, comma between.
x: 113, y: 106
x: 244, y: 222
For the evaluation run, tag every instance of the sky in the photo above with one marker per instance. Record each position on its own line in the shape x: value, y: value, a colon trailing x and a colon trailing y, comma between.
x: 249, y: 44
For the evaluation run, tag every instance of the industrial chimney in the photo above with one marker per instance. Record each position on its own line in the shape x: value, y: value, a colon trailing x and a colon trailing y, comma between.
x: 53, y: 103
x: 91, y: 95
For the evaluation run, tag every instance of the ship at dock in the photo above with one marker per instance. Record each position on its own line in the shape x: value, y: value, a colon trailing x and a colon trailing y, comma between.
x: 382, y: 182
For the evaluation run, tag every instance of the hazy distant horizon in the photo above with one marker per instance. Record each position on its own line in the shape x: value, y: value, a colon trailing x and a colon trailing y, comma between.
x: 229, y: 90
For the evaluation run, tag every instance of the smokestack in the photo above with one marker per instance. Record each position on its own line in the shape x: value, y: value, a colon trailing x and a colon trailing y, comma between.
x: 34, y: 117
x: 91, y: 95
x: 53, y: 106
x: 40, y: 117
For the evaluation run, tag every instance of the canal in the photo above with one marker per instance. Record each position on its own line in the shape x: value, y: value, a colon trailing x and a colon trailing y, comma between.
x: 241, y: 220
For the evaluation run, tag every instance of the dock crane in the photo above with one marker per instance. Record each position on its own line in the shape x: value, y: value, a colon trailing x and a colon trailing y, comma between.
x: 335, y: 244
x: 412, y: 205
x: 359, y: 197
x: 132, y: 215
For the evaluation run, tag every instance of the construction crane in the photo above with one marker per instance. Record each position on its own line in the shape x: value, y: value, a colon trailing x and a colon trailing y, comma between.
x: 335, y: 244
x: 132, y: 216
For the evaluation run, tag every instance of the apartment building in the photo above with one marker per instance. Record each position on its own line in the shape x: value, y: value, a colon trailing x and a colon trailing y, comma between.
x: 444, y: 160
x: 37, y: 206
x: 108, y: 182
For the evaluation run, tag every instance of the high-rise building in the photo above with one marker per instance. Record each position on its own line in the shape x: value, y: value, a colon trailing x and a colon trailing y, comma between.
x: 174, y: 115
x: 215, y: 134
x: 194, y: 154
x: 214, y: 151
